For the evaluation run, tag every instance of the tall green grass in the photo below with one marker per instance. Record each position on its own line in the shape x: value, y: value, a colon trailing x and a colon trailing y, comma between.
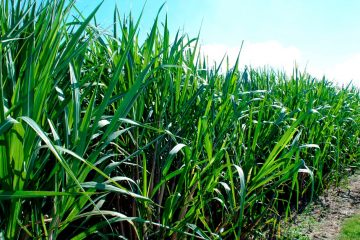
x: 104, y: 136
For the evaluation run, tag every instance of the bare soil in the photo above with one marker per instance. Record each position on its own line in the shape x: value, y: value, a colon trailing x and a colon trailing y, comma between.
x: 323, y: 218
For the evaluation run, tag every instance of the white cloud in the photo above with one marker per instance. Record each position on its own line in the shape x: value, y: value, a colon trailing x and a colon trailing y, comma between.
x: 276, y: 55
x: 346, y: 71
x: 270, y: 53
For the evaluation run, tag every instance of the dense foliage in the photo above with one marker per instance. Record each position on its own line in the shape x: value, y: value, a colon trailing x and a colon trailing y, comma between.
x: 102, y: 136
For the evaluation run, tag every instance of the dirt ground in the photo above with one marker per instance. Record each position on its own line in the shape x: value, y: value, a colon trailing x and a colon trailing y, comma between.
x: 323, y: 218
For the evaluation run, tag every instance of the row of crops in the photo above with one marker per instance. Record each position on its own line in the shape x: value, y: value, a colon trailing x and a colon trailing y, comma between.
x: 104, y: 136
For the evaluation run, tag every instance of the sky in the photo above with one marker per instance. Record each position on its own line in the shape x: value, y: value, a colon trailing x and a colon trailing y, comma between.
x: 321, y: 36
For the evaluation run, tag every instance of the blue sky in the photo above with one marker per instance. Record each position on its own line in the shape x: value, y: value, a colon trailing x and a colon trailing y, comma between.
x: 323, y: 35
